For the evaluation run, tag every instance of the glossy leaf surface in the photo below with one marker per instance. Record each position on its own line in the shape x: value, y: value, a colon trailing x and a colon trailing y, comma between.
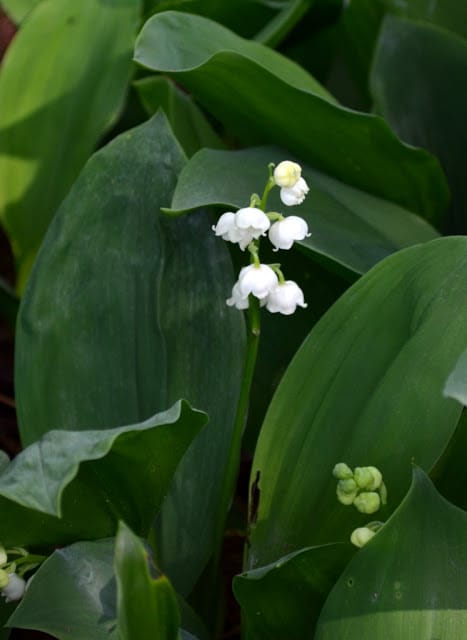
x: 146, y: 602
x: 62, y: 84
x: 407, y: 582
x: 348, y: 226
x: 124, y: 309
x: 365, y: 388
x: 90, y: 479
x: 353, y: 147
x: 17, y: 10
x: 456, y: 384
x: 449, y: 14
x: 284, y: 599
x: 414, y: 92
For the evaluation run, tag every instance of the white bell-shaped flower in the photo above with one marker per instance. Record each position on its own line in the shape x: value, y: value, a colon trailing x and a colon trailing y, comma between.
x: 15, y: 588
x: 287, y: 173
x: 285, y: 297
x: 291, y: 196
x: 226, y: 227
x: 258, y: 280
x: 237, y: 300
x: 283, y: 233
x: 251, y: 223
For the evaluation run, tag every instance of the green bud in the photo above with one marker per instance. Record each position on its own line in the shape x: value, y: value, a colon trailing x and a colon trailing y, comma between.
x: 383, y: 492
x: 342, y: 471
x: 361, y: 536
x: 3, y: 555
x: 369, y: 478
x: 367, y: 502
x: 344, y: 496
x: 348, y: 486
x: 4, y: 578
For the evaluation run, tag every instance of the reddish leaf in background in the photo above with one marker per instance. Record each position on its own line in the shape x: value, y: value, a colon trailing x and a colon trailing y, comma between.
x: 7, y: 32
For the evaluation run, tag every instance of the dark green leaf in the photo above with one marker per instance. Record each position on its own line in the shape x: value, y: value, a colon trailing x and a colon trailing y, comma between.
x: 450, y: 14
x: 73, y: 595
x: 146, y: 602
x: 90, y: 479
x: 408, y: 581
x: 456, y: 384
x: 126, y: 310
x: 284, y: 599
x: 348, y: 226
x: 365, y: 388
x: 356, y: 148
x: 188, y: 123
x: 418, y: 83
x: 62, y: 83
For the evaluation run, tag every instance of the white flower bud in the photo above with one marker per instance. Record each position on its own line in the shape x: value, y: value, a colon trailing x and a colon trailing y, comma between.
x: 361, y: 536
x: 344, y: 496
x: 284, y: 232
x: 367, y: 502
x: 294, y: 195
x: 285, y: 297
x: 287, y: 173
x: 15, y: 588
x: 237, y: 300
x: 258, y: 280
x: 342, y: 471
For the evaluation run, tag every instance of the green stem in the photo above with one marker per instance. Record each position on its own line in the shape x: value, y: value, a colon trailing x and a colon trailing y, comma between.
x: 230, y: 477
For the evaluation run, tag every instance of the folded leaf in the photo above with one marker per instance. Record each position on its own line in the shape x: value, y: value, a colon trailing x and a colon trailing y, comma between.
x: 91, y: 479
x: 277, y: 102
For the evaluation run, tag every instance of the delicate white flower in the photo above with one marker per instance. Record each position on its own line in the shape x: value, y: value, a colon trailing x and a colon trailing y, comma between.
x: 15, y: 588
x: 287, y: 173
x: 296, y: 194
x: 258, y: 280
x: 284, y: 232
x: 237, y: 300
x: 226, y: 227
x: 252, y: 223
x: 285, y: 297
x: 242, y: 227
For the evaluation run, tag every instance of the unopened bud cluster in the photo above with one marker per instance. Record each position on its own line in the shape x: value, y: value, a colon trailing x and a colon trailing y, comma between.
x: 363, y: 487
x: 245, y: 228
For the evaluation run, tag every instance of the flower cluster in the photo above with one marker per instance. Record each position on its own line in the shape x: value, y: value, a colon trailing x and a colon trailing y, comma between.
x: 245, y: 228
x: 364, y: 488
x: 12, y: 582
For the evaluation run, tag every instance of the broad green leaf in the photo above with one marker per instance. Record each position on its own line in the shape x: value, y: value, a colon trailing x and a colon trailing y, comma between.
x: 90, y: 479
x: 348, y: 226
x: 284, y: 599
x: 81, y: 579
x: 17, y: 10
x: 278, y: 27
x: 416, y: 68
x: 450, y: 14
x: 62, y: 84
x: 188, y: 122
x: 8, y: 303
x: 124, y: 313
x: 73, y: 594
x: 356, y: 148
x: 365, y: 388
x: 146, y: 602
x: 408, y: 581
